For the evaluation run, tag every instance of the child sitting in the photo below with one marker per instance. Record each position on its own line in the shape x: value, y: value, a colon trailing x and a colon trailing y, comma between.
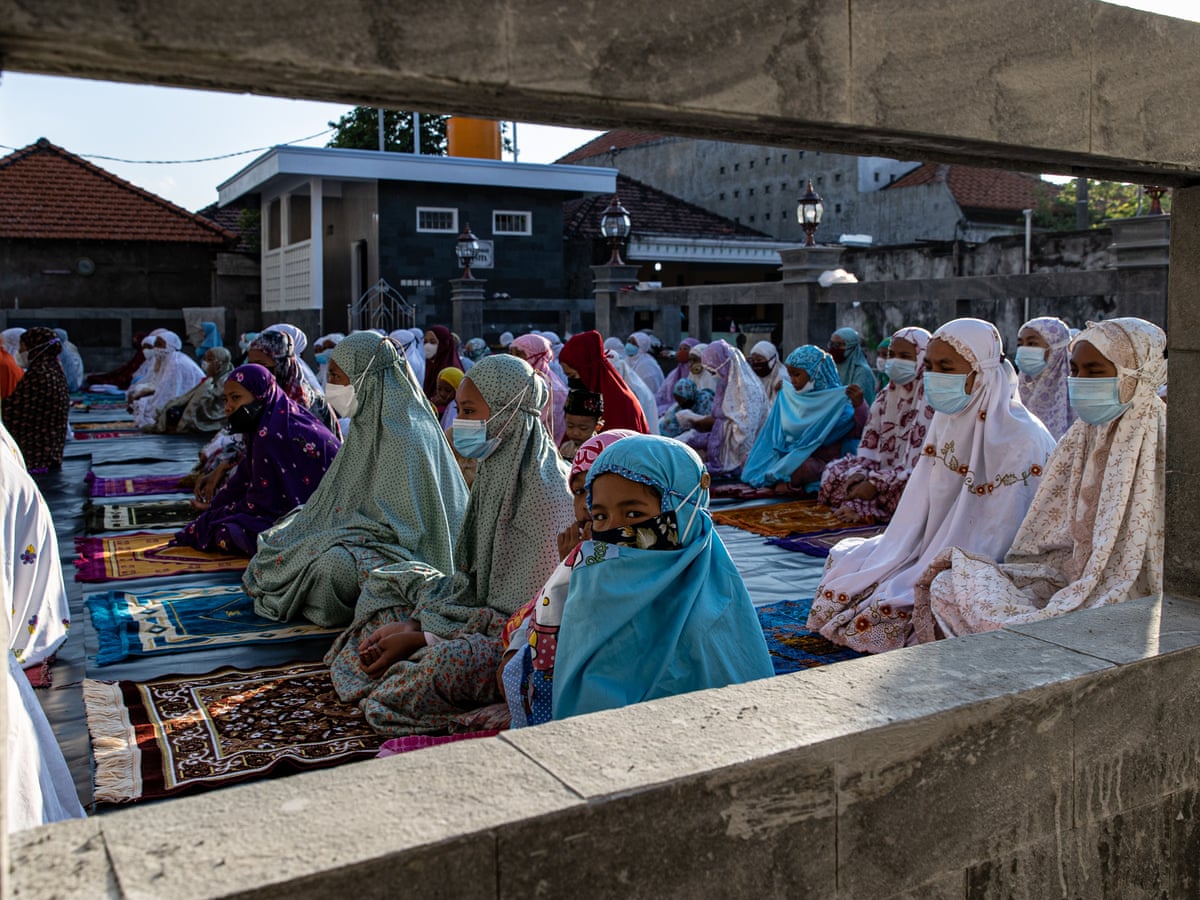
x: 584, y: 413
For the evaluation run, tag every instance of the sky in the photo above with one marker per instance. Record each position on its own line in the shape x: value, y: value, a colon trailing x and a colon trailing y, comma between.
x: 165, y: 126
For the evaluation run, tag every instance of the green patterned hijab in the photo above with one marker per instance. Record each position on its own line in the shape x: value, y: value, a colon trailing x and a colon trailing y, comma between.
x: 506, y: 548
x: 394, y: 492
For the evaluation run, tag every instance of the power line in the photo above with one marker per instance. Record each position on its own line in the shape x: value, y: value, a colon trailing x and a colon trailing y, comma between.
x: 181, y: 162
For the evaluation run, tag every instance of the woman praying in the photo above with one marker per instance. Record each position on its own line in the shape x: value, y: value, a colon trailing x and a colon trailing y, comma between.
x: 287, y: 453
x: 441, y: 352
x: 764, y: 360
x: 845, y: 346
x: 535, y: 350
x: 172, y: 374
x: 276, y: 352
x: 393, y: 494
x: 202, y: 409
x: 1044, y: 364
x: 583, y: 358
x: 36, y: 412
x: 982, y: 461
x: 1094, y: 532
x: 664, y: 397
x: 738, y: 412
x: 638, y: 350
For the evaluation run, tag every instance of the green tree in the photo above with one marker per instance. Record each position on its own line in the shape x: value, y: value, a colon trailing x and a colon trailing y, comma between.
x: 359, y: 130
x: 1055, y: 205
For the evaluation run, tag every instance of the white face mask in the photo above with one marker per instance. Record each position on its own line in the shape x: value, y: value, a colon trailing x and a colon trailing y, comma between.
x: 343, y: 398
x: 430, y: 350
x: 22, y: 359
x: 807, y: 387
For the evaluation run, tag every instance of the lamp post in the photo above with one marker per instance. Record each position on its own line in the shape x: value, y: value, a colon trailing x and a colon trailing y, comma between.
x: 1156, y: 194
x: 808, y: 213
x: 466, y: 249
x: 615, y: 225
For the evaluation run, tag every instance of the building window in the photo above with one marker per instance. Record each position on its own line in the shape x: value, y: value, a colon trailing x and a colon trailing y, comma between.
x: 750, y: 192
x: 722, y: 170
x: 299, y: 218
x: 766, y: 189
x: 767, y: 161
x: 752, y: 218
x: 752, y: 164
x: 783, y: 158
x: 876, y: 177
x: 783, y: 186
x: 837, y: 176
x: 508, y: 221
x: 738, y: 219
x: 721, y: 195
x: 437, y: 220
x: 766, y: 217
x: 837, y: 207
x: 736, y: 166
x: 820, y: 179
x: 800, y: 155
x: 736, y: 194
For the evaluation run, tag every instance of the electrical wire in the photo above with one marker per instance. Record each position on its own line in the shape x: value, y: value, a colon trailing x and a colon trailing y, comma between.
x: 181, y: 162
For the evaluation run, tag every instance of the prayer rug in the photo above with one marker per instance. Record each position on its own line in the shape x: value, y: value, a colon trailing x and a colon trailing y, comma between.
x: 141, y: 555
x: 396, y: 746
x: 39, y: 674
x: 89, y: 401
x: 198, y: 732
x: 147, y: 514
x: 793, y: 647
x: 782, y: 519
x: 735, y: 490
x: 138, y: 485
x: 149, y: 623
x: 105, y: 435
x: 821, y: 544
x: 121, y: 425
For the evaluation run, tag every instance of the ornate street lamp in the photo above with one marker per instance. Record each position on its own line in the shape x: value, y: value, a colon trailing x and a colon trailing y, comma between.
x: 615, y: 225
x: 1156, y: 194
x: 466, y: 249
x: 808, y: 213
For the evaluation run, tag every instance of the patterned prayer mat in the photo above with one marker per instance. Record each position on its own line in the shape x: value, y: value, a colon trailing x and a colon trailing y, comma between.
x: 821, y: 544
x: 139, y: 485
x: 793, y: 647
x: 39, y: 674
x: 115, y: 425
x: 86, y: 400
x: 149, y: 623
x: 147, y: 514
x: 105, y: 435
x: 782, y: 519
x: 140, y: 555
x: 189, y: 733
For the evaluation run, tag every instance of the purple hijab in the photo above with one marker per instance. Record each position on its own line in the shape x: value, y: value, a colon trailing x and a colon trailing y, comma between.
x: 284, y: 461
x: 665, y: 397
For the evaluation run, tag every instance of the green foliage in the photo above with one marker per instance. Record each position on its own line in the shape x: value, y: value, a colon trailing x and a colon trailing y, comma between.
x: 1055, y: 206
x: 250, y: 225
x: 359, y: 130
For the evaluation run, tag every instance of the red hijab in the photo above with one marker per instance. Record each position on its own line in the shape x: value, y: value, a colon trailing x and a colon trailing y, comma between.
x: 446, y: 357
x: 585, y: 354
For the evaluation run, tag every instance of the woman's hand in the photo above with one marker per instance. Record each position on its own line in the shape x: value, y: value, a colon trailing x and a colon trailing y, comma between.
x: 705, y: 424
x: 855, y: 393
x: 862, y: 490
x: 389, y: 644
x: 571, y: 536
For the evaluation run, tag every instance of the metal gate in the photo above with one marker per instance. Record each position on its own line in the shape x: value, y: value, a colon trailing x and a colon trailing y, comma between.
x: 382, y: 307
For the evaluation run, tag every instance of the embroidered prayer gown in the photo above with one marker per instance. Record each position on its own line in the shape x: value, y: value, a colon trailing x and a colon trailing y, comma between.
x: 1045, y: 394
x: 299, y: 344
x: 854, y: 368
x: 739, y: 409
x: 774, y: 380
x: 393, y: 494
x: 800, y: 423
x: 172, y: 375
x: 504, y: 553
x: 36, y: 412
x: 1094, y: 532
x: 285, y: 458
x: 890, y: 446
x: 639, y: 624
x: 202, y: 409
x: 584, y: 353
x: 978, y: 472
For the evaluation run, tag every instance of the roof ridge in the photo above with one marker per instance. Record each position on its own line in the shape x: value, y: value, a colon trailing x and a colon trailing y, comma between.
x: 692, y: 206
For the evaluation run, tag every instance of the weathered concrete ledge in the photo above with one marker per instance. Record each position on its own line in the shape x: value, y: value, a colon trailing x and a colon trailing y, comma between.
x: 1071, y: 84
x: 1057, y: 759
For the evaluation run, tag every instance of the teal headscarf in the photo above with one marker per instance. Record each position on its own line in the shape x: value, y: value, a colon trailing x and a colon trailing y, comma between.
x: 800, y: 423
x: 507, y: 547
x: 643, y: 624
x: 212, y: 338
x: 854, y: 368
x: 393, y: 491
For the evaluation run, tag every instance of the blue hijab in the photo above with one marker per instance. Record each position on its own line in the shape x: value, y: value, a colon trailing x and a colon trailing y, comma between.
x: 854, y: 368
x: 212, y: 338
x: 642, y: 624
x: 800, y: 423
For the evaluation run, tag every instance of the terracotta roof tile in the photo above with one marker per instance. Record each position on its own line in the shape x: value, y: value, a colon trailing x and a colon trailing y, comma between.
x: 653, y: 212
x: 48, y: 193
x: 229, y: 218
x: 980, y: 188
x: 619, y: 139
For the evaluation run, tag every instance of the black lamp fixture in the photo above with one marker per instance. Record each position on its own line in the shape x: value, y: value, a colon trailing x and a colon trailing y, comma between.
x: 1156, y: 192
x: 808, y: 213
x: 466, y: 249
x: 615, y: 225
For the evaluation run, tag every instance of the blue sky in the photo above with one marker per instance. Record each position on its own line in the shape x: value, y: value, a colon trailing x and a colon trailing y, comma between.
x: 138, y: 122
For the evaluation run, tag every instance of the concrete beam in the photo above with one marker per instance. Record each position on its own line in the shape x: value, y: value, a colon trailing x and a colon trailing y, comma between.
x: 975, y: 287
x: 1068, y: 85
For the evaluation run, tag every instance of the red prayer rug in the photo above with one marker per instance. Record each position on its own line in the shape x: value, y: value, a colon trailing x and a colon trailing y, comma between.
x: 137, y: 486
x: 191, y: 733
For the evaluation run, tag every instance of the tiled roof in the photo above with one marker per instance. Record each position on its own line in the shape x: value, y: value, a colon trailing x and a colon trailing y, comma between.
x: 620, y: 139
x: 229, y: 218
x: 50, y: 194
x: 980, y: 188
x: 652, y: 212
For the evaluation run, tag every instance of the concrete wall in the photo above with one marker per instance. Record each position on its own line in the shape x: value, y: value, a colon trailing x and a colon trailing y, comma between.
x: 988, y: 766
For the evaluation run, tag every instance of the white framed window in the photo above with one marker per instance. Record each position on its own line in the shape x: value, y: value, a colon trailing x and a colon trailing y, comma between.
x: 437, y: 220
x: 512, y: 221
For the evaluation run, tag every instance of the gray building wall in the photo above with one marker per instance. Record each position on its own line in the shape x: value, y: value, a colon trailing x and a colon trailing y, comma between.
x: 349, y: 218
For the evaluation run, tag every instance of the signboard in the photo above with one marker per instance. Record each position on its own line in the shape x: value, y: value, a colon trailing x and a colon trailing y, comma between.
x: 483, y: 259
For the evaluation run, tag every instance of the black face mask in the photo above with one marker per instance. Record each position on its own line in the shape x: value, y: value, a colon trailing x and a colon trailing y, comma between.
x: 658, y: 533
x: 245, y: 418
x: 576, y: 384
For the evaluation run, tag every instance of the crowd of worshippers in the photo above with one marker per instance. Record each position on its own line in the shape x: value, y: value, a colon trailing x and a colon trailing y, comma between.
x: 528, y: 522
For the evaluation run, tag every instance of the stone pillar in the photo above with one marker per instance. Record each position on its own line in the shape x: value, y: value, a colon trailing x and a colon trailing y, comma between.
x: 466, y: 298
x: 801, y: 268
x: 669, y: 325
x: 607, y: 282
x: 1181, y: 567
x: 699, y: 321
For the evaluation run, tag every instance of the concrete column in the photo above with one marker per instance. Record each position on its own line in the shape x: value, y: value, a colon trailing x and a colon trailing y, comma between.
x: 316, y: 259
x: 466, y: 298
x: 1181, y: 567
x: 801, y: 268
x: 607, y: 282
x: 1141, y: 251
x: 669, y: 326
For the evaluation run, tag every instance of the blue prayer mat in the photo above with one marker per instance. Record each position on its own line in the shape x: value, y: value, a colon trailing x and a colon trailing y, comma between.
x: 793, y: 647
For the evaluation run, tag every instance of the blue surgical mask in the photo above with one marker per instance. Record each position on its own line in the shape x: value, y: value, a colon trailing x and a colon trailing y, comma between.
x: 471, y: 440
x: 946, y: 393
x: 1095, y: 400
x: 901, y: 371
x: 631, y: 349
x: 322, y: 358
x: 1031, y: 360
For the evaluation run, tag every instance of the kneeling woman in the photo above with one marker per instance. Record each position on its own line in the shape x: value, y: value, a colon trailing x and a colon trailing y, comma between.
x: 287, y: 453
x: 655, y: 606
x: 424, y: 646
x: 1094, y: 533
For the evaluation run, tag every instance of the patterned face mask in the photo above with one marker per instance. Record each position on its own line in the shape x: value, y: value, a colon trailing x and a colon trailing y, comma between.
x: 658, y: 533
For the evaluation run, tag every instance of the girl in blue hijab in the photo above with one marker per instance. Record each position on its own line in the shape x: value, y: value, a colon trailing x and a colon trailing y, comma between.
x: 655, y: 607
x: 811, y: 411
